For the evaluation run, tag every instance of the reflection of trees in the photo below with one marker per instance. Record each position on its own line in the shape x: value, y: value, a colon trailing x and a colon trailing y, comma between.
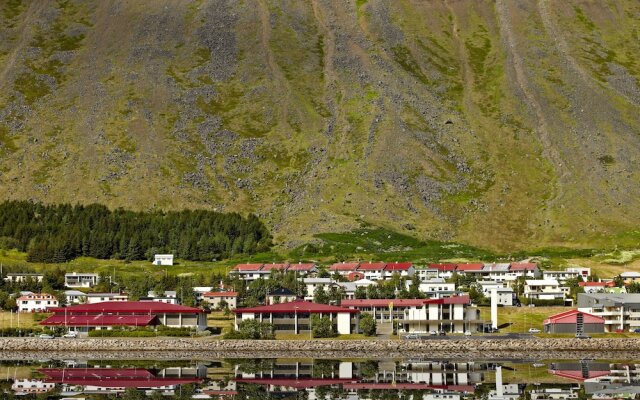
x: 324, y: 368
x: 369, y: 369
x: 252, y: 366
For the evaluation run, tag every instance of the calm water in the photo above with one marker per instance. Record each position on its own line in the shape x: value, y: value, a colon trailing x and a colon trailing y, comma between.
x: 322, y: 379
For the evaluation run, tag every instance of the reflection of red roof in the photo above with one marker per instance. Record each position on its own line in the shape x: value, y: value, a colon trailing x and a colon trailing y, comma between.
x: 470, y: 267
x: 523, y: 267
x: 382, y: 302
x: 220, y: 294
x: 443, y: 267
x: 302, y: 267
x: 248, y: 267
x: 350, y: 266
x: 100, y: 320
x: 113, y: 307
x: 291, y: 307
x: 111, y: 377
x: 570, y: 317
x: 408, y: 386
x: 577, y: 375
x: 277, y: 267
x: 301, y: 383
x: 398, y: 266
x: 377, y: 266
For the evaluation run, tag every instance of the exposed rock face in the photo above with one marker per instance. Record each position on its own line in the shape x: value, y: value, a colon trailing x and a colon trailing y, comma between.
x: 501, y: 124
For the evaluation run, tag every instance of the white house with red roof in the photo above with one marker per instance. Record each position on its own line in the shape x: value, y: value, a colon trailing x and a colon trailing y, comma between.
x: 107, y: 315
x: 251, y: 272
x: 36, y: 302
x: 375, y: 271
x: 217, y: 300
x: 295, y: 316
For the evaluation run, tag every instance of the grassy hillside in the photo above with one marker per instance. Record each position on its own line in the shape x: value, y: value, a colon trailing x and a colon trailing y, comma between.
x: 504, y: 125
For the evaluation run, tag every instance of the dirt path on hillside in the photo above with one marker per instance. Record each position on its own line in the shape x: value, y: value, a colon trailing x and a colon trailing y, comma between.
x: 34, y: 9
x: 274, y: 68
x: 542, y: 128
x: 563, y: 49
x: 329, y: 44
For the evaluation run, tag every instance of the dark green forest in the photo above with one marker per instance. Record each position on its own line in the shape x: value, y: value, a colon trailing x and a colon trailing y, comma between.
x: 62, y: 232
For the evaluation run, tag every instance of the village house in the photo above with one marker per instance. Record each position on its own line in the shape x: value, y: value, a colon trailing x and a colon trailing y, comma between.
x: 425, y: 273
x: 501, y: 272
x: 169, y: 297
x: 21, y: 277
x: 75, y: 297
x: 199, y: 291
x: 621, y: 312
x: 630, y: 277
x: 251, y: 272
x: 374, y: 271
x: 436, y: 288
x: 108, y: 315
x: 505, y: 295
x: 220, y: 300
x: 31, y: 387
x: 450, y: 314
x: 81, y: 280
x: 544, y: 289
x: 163, y: 259
x: 280, y: 295
x: 36, y: 302
x: 570, y: 273
x: 311, y: 284
x: 295, y: 316
x: 597, y: 287
x: 575, y: 322
x: 350, y: 288
x: 93, y: 298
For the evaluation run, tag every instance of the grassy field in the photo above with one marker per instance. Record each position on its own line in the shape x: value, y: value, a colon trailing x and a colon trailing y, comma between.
x: 21, y: 320
x: 520, y: 319
x: 217, y: 319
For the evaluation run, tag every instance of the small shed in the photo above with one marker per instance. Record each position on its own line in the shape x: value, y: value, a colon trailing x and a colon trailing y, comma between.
x: 574, y: 322
x: 163, y: 259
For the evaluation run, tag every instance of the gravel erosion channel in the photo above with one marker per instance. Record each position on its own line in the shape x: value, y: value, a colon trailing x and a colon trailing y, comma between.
x: 168, y: 348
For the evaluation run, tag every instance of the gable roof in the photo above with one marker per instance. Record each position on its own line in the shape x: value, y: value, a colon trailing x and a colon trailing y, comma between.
x: 569, y: 317
x: 291, y: 307
x: 274, y: 266
x: 398, y: 266
x: 302, y: 267
x: 372, y: 266
x: 524, y: 266
x: 443, y: 267
x: 470, y: 267
x: 248, y: 267
x: 128, y: 307
x: 344, y: 266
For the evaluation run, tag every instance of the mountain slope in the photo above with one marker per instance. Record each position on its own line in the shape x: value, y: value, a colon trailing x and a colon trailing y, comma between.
x: 500, y: 124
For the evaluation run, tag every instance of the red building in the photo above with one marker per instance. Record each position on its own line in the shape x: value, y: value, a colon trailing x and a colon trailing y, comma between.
x: 574, y: 322
x: 107, y: 315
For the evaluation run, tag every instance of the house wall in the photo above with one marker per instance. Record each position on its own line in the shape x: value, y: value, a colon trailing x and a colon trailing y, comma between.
x: 571, y: 328
x: 344, y: 323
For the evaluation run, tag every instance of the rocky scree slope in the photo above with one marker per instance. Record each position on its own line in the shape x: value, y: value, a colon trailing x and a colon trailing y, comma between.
x: 496, y: 123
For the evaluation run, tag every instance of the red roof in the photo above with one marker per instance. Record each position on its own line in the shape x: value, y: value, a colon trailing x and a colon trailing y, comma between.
x: 302, y: 267
x: 247, y: 267
x: 377, y: 266
x: 577, y: 375
x: 470, y: 267
x: 523, y: 266
x: 450, y: 300
x: 350, y: 266
x: 398, y: 266
x: 443, y: 267
x: 570, y: 317
x: 355, y: 275
x: 382, y: 302
x: 111, y: 377
x: 291, y: 307
x: 220, y: 294
x: 277, y: 267
x: 143, y: 307
x: 100, y: 320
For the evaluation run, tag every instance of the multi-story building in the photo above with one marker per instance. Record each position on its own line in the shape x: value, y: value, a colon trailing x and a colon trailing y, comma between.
x: 544, y: 289
x: 251, y: 272
x: 81, y: 280
x: 621, y: 312
x: 436, y: 288
x: 20, y: 277
x: 374, y: 271
x: 102, y: 297
x: 569, y: 273
x: 36, y: 302
x: 218, y: 300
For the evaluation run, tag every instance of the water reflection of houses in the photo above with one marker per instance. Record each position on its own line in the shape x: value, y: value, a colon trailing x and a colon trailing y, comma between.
x: 116, y: 380
x: 602, y: 380
x: 439, y: 379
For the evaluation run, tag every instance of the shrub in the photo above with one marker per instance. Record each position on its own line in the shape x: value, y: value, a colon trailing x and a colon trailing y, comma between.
x: 322, y: 327
x: 252, y: 329
x: 368, y: 324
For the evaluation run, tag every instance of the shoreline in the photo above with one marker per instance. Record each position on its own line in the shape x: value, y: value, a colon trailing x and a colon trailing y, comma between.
x: 203, y: 348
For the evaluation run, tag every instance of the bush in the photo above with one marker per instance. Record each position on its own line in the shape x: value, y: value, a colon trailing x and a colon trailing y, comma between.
x: 541, y: 303
x: 322, y: 327
x: 122, y: 333
x: 19, y: 332
x: 368, y: 324
x: 252, y: 329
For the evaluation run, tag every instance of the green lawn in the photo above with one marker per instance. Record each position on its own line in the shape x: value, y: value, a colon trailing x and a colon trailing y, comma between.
x: 520, y: 319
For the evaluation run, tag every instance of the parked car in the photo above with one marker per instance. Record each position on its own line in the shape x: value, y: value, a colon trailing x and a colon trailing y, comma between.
x: 70, y: 335
x: 45, y: 336
x: 412, y: 336
x: 433, y: 333
x: 467, y: 333
x: 534, y: 330
x: 442, y: 333
x: 634, y: 330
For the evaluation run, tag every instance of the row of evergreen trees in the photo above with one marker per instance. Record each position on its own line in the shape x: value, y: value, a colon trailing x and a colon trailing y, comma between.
x: 58, y: 233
